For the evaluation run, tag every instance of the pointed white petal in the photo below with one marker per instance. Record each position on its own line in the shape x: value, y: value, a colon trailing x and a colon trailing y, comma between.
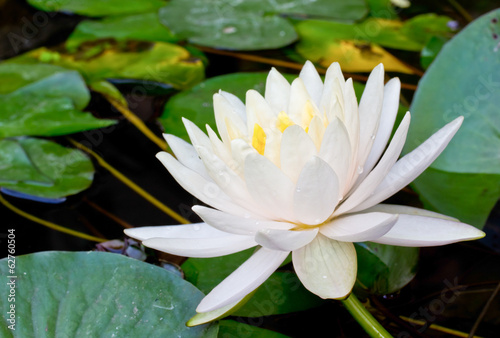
x: 201, y: 188
x: 196, y: 135
x: 404, y: 209
x: 411, y: 165
x: 235, y: 224
x: 235, y: 102
x: 316, y: 193
x: 277, y: 91
x: 197, y: 230
x: 270, y: 188
x: 316, y: 131
x: 326, y: 267
x: 390, y: 107
x: 296, y: 149
x: 223, y: 151
x: 243, y: 280
x: 240, y: 150
x: 201, y: 247
x: 301, y: 108
x: 312, y: 81
x: 229, y: 123
x: 370, y: 107
x: 332, y: 89
x: 336, y: 151
x: 257, y: 106
x: 359, y: 227
x: 273, y: 145
x: 370, y: 183
x: 228, y: 181
x: 186, y: 155
x: 423, y: 231
x: 284, y: 240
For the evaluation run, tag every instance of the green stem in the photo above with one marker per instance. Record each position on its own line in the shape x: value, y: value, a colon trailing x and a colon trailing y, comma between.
x: 364, y: 318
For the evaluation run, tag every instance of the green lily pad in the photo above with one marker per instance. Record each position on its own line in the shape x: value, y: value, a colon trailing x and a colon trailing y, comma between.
x: 97, y: 7
x: 90, y: 294
x: 384, y: 269
x: 248, y: 25
x: 431, y: 50
x: 43, y: 168
x: 231, y: 328
x: 159, y: 62
x: 281, y: 293
x: 143, y: 26
x: 464, y: 81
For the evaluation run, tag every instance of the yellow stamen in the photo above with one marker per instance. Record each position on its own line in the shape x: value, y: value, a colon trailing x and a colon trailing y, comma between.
x: 283, y: 121
x: 259, y: 139
x: 307, y: 115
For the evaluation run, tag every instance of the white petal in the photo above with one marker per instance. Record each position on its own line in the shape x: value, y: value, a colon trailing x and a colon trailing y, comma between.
x: 277, y: 91
x: 312, y: 81
x: 259, y: 108
x: 326, y: 267
x: 423, y: 231
x: 239, y: 107
x: 223, y: 151
x: 390, y: 107
x: 316, y: 193
x: 240, y: 150
x: 411, y: 165
x: 235, y: 224
x: 316, y: 131
x: 229, y: 123
x: 370, y: 107
x: 336, y: 151
x: 228, y: 181
x: 404, y: 209
x: 301, y: 108
x: 186, y: 155
x: 201, y: 247
x: 284, y: 240
x: 269, y: 187
x: 332, y: 89
x: 369, y: 184
x: 197, y: 230
x: 359, y: 227
x: 201, y: 188
x: 196, y: 135
x: 243, y: 280
x: 296, y: 149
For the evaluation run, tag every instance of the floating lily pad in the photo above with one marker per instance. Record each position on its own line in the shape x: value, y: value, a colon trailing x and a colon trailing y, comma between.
x: 90, y: 294
x: 97, y: 7
x: 159, y: 62
x: 143, y: 26
x: 384, y: 269
x: 231, y: 328
x: 248, y: 25
x: 464, y: 81
x: 43, y: 168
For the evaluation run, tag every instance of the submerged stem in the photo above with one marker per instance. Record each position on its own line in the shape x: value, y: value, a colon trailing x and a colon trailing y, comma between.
x: 48, y: 224
x: 137, y: 122
x: 128, y: 182
x: 364, y: 318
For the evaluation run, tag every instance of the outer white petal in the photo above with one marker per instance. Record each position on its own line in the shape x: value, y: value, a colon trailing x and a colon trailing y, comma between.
x: 236, y: 103
x: 301, y: 108
x: 197, y: 230
x: 411, y: 165
x: 186, y: 155
x: 259, y: 108
x: 201, y: 188
x: 202, y: 247
x: 243, y: 280
x: 423, y: 231
x: 296, y: 149
x: 359, y: 227
x: 270, y: 188
x: 326, y: 267
x: 404, y: 209
x: 390, y: 107
x: 235, y: 224
x: 316, y: 193
x: 284, y: 240
x: 312, y: 81
x: 316, y: 131
x: 378, y: 174
x: 336, y: 151
x: 277, y: 91
x: 370, y: 107
x: 240, y: 150
x: 197, y: 137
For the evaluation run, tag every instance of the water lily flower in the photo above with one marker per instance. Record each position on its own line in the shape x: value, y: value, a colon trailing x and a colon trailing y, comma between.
x: 301, y: 170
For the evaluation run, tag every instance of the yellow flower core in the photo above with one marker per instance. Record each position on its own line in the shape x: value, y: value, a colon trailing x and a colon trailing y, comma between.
x: 259, y: 139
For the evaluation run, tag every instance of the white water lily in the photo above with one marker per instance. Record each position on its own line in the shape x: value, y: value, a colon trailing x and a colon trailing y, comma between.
x: 301, y: 170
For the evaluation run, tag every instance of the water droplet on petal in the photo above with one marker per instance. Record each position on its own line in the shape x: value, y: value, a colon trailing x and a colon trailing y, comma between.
x: 360, y: 170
